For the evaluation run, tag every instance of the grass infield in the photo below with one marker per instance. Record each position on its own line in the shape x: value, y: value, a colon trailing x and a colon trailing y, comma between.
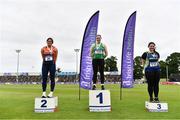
x: 17, y: 102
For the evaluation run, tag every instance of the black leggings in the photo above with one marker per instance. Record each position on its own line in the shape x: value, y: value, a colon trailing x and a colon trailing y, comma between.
x: 153, y: 78
x: 48, y: 67
x: 98, y: 64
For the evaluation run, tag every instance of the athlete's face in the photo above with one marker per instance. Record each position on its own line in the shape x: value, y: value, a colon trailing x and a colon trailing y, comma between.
x: 98, y: 39
x: 152, y: 47
x: 49, y: 43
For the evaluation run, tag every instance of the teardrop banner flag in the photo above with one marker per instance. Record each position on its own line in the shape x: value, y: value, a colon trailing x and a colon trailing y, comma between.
x: 86, y: 70
x: 127, y: 64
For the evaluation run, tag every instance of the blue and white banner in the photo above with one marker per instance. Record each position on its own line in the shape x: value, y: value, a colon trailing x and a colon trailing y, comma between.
x: 86, y: 70
x: 127, y: 63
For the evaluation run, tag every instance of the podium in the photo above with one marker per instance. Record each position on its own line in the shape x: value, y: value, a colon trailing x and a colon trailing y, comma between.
x: 99, y: 101
x: 43, y: 105
x: 156, y: 107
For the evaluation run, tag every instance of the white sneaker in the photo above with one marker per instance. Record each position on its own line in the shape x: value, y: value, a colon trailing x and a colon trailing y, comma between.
x: 50, y: 95
x: 43, y: 95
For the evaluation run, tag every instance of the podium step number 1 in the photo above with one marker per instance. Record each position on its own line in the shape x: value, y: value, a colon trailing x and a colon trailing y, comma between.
x: 156, y: 107
x: 99, y: 101
x: 46, y: 104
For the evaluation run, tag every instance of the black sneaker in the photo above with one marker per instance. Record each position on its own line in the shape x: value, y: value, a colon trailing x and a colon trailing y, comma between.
x: 94, y: 87
x: 156, y: 100
x: 151, y: 99
x: 43, y: 96
x: 102, y: 87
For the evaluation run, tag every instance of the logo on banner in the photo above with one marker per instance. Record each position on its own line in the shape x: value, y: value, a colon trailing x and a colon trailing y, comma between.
x: 127, y: 83
x: 86, y: 84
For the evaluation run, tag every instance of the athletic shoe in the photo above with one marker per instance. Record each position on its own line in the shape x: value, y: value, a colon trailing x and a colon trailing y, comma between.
x: 151, y: 99
x: 94, y: 87
x: 102, y: 87
x: 50, y: 95
x: 156, y: 100
x: 43, y: 96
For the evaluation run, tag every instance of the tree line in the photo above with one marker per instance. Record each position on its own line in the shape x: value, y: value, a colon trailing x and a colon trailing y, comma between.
x: 170, y: 64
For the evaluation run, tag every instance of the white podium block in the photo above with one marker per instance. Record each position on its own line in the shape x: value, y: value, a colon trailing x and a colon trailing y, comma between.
x: 99, y: 101
x: 156, y: 107
x: 46, y: 104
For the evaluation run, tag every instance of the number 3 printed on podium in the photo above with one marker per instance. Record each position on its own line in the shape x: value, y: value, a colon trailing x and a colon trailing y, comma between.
x: 158, y: 106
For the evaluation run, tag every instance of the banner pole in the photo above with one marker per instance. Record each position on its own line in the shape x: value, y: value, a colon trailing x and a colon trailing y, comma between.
x: 127, y: 54
x: 79, y: 90
x: 89, y: 37
x: 120, y: 92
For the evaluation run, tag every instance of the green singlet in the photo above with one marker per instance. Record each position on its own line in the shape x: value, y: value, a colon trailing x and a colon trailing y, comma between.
x: 98, y: 51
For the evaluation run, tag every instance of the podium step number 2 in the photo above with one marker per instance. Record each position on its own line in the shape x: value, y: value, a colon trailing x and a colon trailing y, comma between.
x: 46, y: 104
x: 99, y: 101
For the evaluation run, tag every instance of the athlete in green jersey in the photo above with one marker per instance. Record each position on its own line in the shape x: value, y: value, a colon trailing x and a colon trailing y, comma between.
x: 98, y: 53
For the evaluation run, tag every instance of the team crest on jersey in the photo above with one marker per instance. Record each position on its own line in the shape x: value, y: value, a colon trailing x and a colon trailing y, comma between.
x: 154, y: 55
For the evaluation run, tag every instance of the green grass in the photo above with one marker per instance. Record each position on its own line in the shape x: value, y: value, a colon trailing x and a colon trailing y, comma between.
x: 17, y: 102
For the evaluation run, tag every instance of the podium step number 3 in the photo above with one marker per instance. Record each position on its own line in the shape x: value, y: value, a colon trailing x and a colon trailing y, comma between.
x: 156, y: 107
x: 46, y: 104
x: 99, y: 101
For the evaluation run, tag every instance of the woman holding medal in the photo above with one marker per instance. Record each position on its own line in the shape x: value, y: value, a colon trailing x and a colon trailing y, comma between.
x: 98, y: 53
x: 49, y: 55
x: 152, y: 71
